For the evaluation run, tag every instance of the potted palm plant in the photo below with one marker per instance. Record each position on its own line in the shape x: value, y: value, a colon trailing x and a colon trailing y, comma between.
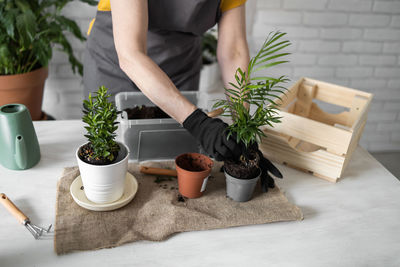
x: 102, y: 162
x: 28, y: 30
x: 250, y: 104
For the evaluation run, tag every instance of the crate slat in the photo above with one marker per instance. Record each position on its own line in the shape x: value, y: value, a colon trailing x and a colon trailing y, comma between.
x: 311, y: 139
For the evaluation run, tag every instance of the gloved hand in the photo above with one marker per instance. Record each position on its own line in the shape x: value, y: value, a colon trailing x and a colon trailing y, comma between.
x: 267, y: 167
x: 211, y: 134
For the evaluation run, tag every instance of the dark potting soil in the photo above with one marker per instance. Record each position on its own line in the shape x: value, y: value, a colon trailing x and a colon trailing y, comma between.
x: 144, y: 112
x: 161, y: 179
x: 181, y: 198
x: 244, y: 168
x: 86, y: 151
x: 188, y: 163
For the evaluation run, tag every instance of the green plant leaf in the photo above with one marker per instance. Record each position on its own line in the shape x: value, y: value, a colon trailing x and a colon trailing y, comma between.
x: 271, y: 57
x: 270, y: 65
x: 90, y: 2
x: 260, y: 91
x: 7, y: 20
x: 26, y: 26
x: 70, y: 26
x: 30, y: 29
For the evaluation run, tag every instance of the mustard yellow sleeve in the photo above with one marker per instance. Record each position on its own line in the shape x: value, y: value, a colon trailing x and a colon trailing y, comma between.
x: 229, y: 4
x: 90, y: 26
x: 104, y: 5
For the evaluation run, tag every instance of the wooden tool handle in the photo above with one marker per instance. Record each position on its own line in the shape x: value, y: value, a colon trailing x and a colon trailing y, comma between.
x: 19, y: 215
x: 158, y: 171
x: 215, y: 112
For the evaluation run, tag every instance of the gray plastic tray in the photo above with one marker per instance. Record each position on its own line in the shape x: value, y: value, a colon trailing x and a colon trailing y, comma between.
x: 152, y: 139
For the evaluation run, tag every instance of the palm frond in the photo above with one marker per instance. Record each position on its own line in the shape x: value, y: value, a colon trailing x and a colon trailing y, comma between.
x: 258, y: 90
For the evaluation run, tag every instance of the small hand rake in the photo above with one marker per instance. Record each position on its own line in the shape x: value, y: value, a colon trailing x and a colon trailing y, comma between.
x: 35, y: 230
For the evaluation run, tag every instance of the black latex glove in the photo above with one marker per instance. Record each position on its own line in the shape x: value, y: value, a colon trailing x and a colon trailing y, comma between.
x: 267, y: 167
x: 211, y: 134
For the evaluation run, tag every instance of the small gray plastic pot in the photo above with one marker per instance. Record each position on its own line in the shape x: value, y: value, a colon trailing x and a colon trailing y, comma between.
x: 240, y: 190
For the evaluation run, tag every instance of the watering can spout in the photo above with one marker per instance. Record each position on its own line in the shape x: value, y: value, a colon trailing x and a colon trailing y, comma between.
x: 20, y: 155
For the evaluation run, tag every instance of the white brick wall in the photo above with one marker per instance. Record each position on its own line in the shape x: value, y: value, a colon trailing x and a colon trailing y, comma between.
x: 354, y: 43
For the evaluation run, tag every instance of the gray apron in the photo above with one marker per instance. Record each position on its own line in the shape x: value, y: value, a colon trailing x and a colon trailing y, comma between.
x: 173, y: 42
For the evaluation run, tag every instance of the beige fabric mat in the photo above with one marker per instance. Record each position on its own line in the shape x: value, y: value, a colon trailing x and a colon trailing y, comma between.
x: 155, y: 213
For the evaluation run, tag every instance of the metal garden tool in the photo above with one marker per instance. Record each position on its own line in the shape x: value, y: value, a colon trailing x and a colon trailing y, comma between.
x: 35, y: 230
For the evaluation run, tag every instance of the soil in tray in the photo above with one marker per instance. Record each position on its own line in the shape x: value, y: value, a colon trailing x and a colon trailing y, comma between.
x: 146, y: 112
x: 244, y: 168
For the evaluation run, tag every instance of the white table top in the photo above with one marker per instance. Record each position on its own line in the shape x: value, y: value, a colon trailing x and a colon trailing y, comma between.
x: 355, y: 222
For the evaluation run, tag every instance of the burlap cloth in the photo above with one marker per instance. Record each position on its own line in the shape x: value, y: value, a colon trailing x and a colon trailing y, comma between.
x: 155, y: 213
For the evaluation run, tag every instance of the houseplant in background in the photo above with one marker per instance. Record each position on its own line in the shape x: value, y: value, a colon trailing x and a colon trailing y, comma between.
x: 28, y: 31
x: 210, y: 75
x: 249, y: 93
x: 102, y: 162
x: 209, y: 44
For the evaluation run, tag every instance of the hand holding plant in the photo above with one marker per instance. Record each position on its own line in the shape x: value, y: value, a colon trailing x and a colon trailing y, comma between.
x: 258, y: 92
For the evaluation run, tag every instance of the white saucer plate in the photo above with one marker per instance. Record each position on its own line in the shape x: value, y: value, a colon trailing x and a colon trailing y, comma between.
x: 78, y: 194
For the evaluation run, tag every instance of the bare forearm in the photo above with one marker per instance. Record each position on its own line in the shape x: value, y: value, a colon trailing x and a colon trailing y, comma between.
x: 229, y: 64
x: 232, y: 51
x: 130, y: 23
x: 156, y: 85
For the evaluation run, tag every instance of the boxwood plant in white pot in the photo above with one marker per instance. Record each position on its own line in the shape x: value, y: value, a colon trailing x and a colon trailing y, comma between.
x: 249, y: 103
x: 102, y: 162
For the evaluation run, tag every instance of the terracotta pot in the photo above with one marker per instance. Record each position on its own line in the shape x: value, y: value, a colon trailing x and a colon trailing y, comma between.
x: 26, y: 88
x: 193, y: 170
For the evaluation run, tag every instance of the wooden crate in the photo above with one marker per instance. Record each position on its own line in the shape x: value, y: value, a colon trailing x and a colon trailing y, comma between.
x: 311, y: 139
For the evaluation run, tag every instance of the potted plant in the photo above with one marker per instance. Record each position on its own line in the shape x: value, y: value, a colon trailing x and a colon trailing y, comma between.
x: 193, y: 170
x: 28, y: 30
x: 102, y: 162
x: 257, y: 92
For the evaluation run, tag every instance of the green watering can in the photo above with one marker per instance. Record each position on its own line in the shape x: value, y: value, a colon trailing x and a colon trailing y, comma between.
x: 19, y: 146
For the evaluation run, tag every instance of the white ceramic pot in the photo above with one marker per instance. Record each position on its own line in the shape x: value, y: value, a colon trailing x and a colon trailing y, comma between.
x: 104, y: 183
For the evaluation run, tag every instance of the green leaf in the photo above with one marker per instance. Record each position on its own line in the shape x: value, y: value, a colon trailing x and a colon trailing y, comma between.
x: 261, y: 93
x: 263, y: 78
x: 42, y: 51
x: 30, y: 29
x: 271, y: 57
x: 23, y: 6
x: 26, y: 26
x: 101, y: 125
x: 7, y: 20
x: 70, y: 26
x: 270, y: 65
x: 90, y: 2
x: 274, y: 51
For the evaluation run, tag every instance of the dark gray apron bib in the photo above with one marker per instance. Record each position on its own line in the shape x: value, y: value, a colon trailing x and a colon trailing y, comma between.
x: 173, y: 42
